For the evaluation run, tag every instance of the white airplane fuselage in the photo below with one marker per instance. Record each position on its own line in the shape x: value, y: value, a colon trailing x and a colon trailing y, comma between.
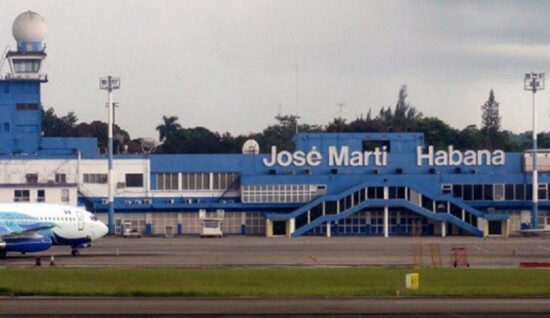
x: 30, y: 227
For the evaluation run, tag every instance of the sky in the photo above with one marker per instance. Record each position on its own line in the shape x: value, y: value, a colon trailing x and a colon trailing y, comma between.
x: 233, y: 65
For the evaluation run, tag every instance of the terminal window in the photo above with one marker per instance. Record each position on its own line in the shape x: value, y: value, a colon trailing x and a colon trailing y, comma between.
x: 168, y: 181
x: 21, y: 196
x: 31, y: 178
x: 134, y: 180
x: 95, y: 178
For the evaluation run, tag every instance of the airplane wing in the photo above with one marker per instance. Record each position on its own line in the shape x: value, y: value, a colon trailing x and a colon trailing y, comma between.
x: 10, y: 229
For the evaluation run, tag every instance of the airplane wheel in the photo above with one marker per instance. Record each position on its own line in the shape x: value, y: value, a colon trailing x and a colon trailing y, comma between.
x: 3, y: 254
x: 75, y: 252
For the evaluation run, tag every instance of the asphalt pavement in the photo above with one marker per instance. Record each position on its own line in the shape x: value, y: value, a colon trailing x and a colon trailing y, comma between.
x: 276, y: 307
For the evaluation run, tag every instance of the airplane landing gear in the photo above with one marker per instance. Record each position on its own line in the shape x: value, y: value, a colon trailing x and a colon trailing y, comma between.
x: 75, y: 252
x: 3, y: 254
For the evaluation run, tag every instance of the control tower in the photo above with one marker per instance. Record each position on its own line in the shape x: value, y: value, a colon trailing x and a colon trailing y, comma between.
x: 20, y: 106
x: 29, y: 30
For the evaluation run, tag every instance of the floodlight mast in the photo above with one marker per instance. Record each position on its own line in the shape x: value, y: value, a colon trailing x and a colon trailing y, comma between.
x: 534, y: 82
x: 109, y: 84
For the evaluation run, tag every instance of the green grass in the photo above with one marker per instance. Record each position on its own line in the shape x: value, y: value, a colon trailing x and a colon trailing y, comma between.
x: 271, y: 282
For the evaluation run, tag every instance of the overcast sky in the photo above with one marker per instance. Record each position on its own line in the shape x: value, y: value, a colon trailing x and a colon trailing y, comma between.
x: 228, y: 65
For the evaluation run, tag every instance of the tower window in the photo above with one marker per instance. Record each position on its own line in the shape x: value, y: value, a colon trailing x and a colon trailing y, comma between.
x: 26, y: 106
x: 26, y: 66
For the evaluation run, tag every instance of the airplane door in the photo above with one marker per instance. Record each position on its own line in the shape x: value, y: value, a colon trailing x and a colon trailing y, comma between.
x: 80, y: 218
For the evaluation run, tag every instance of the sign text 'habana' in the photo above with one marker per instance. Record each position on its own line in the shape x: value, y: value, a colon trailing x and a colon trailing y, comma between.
x: 343, y: 157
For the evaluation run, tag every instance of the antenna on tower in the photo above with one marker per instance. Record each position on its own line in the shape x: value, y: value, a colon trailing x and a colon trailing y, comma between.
x: 341, y: 109
x: 3, y: 58
x: 296, y: 110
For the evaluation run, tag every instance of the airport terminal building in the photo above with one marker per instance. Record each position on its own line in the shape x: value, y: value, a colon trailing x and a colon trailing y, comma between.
x: 366, y: 184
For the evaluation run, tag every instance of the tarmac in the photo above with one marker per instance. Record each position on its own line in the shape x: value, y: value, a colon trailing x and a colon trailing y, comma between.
x: 275, y: 307
x: 246, y: 251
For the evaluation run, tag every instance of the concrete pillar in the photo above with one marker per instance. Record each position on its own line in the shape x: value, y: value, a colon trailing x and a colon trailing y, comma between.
x: 386, y: 222
x: 443, y: 228
x: 328, y: 229
x: 291, y: 226
x: 386, y: 214
x: 268, y: 228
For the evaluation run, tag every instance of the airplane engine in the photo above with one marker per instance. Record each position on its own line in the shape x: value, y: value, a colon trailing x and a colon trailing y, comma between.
x: 25, y: 244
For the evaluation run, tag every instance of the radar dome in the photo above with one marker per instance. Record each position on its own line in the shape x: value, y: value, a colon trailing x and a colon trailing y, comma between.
x: 29, y: 27
x: 251, y: 147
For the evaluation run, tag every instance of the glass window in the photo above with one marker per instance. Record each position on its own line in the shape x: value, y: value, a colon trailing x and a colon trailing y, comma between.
x: 64, y: 195
x: 60, y: 178
x: 134, y: 180
x: 26, y: 106
x: 520, y: 192
x: 509, y: 192
x: 488, y: 192
x: 478, y: 192
x: 95, y: 178
x: 21, y: 196
x: 31, y: 178
x: 40, y: 196
x: 467, y: 192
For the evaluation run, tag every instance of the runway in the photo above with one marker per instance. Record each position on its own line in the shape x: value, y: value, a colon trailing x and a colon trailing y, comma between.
x: 246, y: 251
x: 388, y: 307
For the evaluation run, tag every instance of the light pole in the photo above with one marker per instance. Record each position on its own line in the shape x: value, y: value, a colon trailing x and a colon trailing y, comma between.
x: 109, y: 84
x: 534, y: 82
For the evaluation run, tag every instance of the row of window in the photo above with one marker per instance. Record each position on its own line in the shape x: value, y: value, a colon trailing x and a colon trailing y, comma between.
x: 25, y: 195
x: 132, y: 180
x: 495, y: 192
x: 33, y: 219
x: 26, y: 106
x: 198, y: 181
x: 281, y: 193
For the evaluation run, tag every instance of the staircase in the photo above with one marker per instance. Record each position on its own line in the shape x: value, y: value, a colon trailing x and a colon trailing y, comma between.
x: 332, y: 208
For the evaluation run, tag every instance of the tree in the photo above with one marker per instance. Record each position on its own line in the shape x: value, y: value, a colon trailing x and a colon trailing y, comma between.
x: 491, y: 122
x: 55, y: 126
x: 168, y: 128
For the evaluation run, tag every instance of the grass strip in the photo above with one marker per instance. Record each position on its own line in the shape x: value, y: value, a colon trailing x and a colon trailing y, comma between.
x: 312, y: 282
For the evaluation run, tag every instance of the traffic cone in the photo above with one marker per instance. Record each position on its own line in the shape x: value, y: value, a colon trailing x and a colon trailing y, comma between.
x: 52, y: 261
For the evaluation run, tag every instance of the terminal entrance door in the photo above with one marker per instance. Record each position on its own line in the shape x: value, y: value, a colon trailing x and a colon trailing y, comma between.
x: 279, y: 228
x: 495, y: 227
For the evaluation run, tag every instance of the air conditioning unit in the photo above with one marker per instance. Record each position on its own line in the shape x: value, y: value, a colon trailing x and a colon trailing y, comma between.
x: 171, y: 201
x: 147, y: 201
x: 138, y: 201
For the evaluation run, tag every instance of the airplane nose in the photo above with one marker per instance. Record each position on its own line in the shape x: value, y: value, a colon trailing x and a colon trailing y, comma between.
x: 103, y: 229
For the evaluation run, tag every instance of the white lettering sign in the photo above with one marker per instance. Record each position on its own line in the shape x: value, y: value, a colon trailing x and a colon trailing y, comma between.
x: 343, y: 157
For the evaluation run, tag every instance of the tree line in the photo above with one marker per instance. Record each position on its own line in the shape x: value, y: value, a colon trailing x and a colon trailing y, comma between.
x: 401, y: 117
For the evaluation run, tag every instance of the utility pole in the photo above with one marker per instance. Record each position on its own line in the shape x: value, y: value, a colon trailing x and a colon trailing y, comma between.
x: 296, y: 110
x: 534, y: 82
x: 109, y: 84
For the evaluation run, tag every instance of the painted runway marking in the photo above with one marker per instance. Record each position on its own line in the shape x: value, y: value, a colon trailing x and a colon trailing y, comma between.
x: 544, y: 247
x: 480, y: 249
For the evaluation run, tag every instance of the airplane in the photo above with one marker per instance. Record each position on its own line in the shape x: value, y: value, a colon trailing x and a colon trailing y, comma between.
x: 35, y: 227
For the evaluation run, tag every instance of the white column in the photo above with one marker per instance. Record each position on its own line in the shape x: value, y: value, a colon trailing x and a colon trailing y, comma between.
x: 328, y: 229
x: 386, y: 222
x: 443, y: 228
x: 291, y: 226
x: 386, y: 214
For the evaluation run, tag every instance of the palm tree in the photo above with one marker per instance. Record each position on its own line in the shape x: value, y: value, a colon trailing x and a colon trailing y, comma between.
x: 168, y: 127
